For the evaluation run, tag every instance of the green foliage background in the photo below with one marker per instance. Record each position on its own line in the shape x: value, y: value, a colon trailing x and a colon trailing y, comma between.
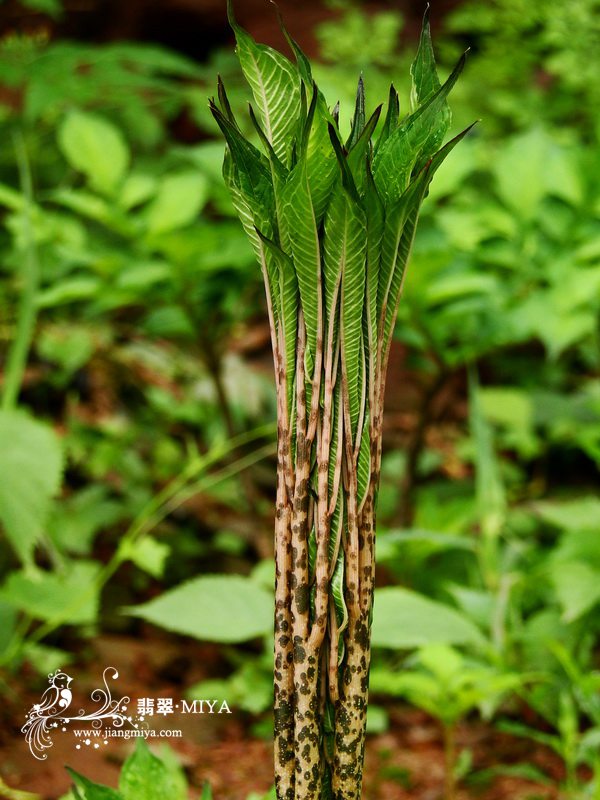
x: 129, y: 305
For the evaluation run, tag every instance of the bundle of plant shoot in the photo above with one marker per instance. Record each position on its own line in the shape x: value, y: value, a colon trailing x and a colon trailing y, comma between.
x: 332, y: 221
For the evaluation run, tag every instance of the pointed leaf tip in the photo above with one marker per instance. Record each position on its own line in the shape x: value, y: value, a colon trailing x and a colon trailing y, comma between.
x: 230, y: 15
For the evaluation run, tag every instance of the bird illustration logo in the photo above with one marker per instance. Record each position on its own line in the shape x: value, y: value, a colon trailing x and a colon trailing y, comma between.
x: 53, y: 710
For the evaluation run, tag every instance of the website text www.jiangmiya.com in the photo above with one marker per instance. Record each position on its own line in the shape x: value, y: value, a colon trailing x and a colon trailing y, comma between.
x: 127, y: 733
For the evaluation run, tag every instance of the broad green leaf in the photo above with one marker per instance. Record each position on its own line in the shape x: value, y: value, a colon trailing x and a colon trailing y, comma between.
x: 178, y: 201
x: 69, y: 595
x: 531, y: 166
x: 94, y: 146
x: 581, y: 513
x: 577, y: 587
x: 146, y: 777
x: 275, y: 84
x: 70, y: 290
x: 137, y: 188
x: 31, y: 462
x: 405, y: 619
x: 219, y: 608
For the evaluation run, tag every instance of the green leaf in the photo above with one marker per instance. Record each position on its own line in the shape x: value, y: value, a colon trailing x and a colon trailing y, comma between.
x: 88, y: 790
x: 399, y: 234
x: 219, y: 608
x: 286, y: 284
x: 178, y: 201
x: 413, y: 143
x: 275, y: 84
x: 206, y: 792
x: 491, y: 500
x: 299, y: 215
x: 76, y: 520
x: 577, y: 587
x: 31, y: 462
x: 149, y: 555
x: 404, y: 619
x: 146, y: 777
x: 54, y: 8
x: 70, y: 290
x: 581, y: 513
x: 391, y: 118
x: 69, y: 595
x: 94, y: 146
x: 359, y: 117
x: 344, y: 262
x: 425, y: 81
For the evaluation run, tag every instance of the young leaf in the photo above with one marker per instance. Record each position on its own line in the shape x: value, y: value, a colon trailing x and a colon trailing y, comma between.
x: 425, y: 81
x: 275, y: 84
x: 146, y: 777
x: 358, y: 120
x: 391, y: 118
x: 91, y: 790
x: 344, y: 261
x: 298, y: 213
x: 414, y: 141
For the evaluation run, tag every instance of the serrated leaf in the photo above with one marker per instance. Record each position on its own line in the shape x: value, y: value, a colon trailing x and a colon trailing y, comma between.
x: 218, y: 608
x: 69, y: 595
x: 146, y: 777
x: 31, y: 462
x: 94, y: 146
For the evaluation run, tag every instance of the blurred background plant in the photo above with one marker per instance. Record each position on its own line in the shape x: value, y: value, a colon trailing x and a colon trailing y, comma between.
x: 136, y: 429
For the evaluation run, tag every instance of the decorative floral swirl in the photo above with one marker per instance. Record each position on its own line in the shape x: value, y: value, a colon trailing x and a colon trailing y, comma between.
x: 50, y: 711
